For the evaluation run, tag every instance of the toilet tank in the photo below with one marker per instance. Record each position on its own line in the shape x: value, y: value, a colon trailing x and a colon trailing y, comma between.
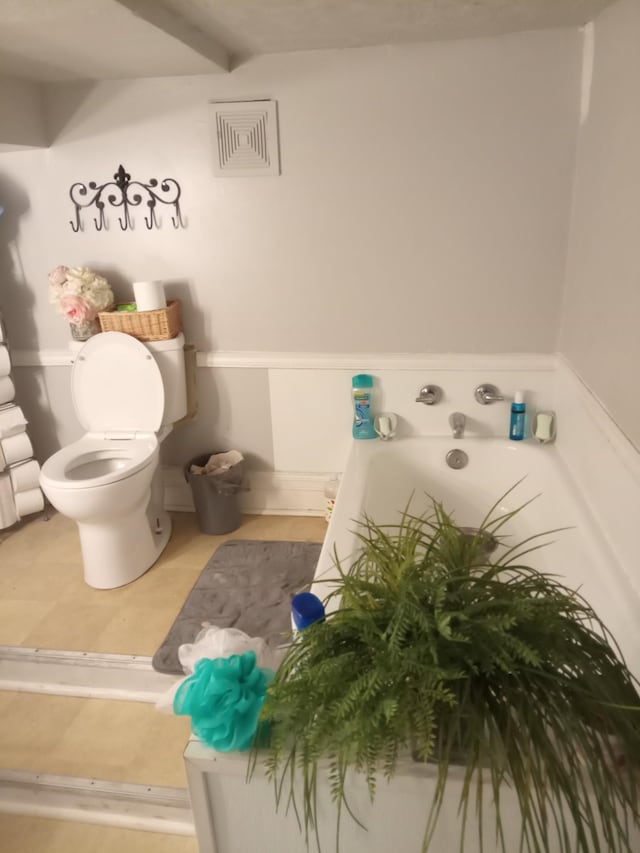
x: 169, y: 356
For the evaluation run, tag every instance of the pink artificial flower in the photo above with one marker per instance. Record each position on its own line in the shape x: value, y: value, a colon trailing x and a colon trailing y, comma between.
x: 58, y: 276
x: 76, y: 309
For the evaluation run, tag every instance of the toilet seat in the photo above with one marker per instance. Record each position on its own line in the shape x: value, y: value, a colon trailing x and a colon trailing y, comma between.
x: 97, y: 461
x: 118, y: 395
x: 117, y: 387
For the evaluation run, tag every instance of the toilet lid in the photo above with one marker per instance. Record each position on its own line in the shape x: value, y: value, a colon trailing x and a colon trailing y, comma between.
x: 116, y: 385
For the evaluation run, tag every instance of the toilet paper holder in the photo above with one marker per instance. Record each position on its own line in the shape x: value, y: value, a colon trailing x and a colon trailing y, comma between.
x: 543, y: 427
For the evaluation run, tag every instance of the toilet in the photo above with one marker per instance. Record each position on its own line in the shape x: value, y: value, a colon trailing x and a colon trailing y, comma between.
x: 127, y: 395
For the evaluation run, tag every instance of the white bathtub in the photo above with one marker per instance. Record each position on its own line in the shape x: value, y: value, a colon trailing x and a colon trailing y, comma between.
x: 380, y: 478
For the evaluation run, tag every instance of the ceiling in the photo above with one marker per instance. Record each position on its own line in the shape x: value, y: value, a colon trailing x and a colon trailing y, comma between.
x: 57, y: 40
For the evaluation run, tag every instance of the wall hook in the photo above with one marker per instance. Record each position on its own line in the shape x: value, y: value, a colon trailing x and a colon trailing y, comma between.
x: 178, y: 223
x: 151, y: 220
x: 100, y: 224
x: 127, y: 194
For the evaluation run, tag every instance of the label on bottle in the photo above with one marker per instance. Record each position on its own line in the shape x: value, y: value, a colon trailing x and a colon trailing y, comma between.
x: 328, y: 509
x: 361, y: 412
x: 516, y: 431
x: 362, y: 423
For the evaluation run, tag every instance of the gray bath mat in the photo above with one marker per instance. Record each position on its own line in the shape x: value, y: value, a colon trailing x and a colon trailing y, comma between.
x: 246, y: 585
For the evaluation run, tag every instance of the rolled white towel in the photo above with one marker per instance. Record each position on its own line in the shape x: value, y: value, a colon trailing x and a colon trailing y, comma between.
x: 8, y: 512
x: 12, y: 421
x: 7, y: 389
x: 5, y: 361
x: 29, y: 502
x: 16, y: 448
x: 25, y: 476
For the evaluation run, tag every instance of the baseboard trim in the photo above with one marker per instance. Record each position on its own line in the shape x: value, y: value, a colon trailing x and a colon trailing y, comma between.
x: 130, y: 678
x: 277, y: 493
x: 122, y: 804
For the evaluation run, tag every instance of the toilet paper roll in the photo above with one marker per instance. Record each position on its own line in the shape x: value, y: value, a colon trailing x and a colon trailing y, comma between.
x: 7, y: 389
x: 29, y: 502
x: 149, y: 295
x: 25, y: 476
x: 5, y: 361
x: 16, y: 448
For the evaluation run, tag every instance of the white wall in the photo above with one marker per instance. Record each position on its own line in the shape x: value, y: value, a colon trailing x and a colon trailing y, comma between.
x: 600, y: 334
x: 422, y: 207
x: 433, y: 179
x: 21, y: 114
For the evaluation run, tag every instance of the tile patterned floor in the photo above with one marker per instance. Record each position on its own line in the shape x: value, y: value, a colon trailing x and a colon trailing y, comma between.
x: 21, y: 834
x: 44, y: 603
x: 93, y: 738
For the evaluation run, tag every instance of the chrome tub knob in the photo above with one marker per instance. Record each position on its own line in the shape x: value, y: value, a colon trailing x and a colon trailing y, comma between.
x: 429, y: 395
x: 487, y: 393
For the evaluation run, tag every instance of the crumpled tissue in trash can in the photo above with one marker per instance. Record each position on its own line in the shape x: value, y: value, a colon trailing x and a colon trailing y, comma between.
x: 218, y: 463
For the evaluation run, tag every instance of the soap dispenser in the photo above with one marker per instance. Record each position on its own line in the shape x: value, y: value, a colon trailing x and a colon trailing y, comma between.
x: 518, y: 411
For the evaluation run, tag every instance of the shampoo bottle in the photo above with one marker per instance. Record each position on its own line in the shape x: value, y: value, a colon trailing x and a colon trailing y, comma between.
x: 362, y: 386
x: 518, y: 411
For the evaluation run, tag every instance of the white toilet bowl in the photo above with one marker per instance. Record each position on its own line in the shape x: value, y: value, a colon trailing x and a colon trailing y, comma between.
x: 109, y: 481
x: 104, y: 485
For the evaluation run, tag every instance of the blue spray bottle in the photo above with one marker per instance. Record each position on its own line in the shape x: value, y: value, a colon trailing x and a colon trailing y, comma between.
x: 518, y: 411
x: 361, y: 390
x: 306, y: 608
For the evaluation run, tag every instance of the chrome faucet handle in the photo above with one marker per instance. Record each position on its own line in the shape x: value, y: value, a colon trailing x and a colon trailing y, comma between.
x: 429, y: 395
x: 487, y: 393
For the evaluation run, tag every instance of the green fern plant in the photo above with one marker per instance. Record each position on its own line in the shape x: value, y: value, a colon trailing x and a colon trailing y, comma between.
x: 438, y: 650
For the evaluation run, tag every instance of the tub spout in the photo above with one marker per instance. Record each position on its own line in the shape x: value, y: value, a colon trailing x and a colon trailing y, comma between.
x: 457, y: 421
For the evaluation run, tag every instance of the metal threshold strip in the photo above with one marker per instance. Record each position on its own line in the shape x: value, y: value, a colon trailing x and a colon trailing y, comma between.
x: 123, y: 804
x: 86, y: 674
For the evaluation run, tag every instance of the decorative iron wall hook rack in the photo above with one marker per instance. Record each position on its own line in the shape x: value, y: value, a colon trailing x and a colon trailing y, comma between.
x: 124, y: 193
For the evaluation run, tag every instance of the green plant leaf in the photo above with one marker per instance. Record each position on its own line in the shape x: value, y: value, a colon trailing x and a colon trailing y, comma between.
x: 440, y: 651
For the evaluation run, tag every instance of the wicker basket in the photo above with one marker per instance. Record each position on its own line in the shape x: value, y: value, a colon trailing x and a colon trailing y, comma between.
x: 160, y: 325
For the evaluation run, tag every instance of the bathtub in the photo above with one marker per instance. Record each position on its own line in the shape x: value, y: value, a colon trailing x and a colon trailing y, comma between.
x: 381, y: 477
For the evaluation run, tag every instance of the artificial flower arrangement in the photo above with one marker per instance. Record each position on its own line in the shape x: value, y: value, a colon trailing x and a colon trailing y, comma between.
x: 79, y: 294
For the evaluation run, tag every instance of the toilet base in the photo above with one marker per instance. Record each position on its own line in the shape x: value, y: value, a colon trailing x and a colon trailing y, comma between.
x: 115, y: 555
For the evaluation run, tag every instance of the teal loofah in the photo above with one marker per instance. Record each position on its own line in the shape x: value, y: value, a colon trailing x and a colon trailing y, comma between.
x: 223, y: 697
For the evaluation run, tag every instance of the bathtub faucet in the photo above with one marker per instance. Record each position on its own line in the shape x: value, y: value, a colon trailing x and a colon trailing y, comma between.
x: 457, y: 421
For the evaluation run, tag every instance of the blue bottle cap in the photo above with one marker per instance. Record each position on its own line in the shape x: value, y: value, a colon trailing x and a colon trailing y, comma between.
x: 362, y: 380
x: 306, y: 609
